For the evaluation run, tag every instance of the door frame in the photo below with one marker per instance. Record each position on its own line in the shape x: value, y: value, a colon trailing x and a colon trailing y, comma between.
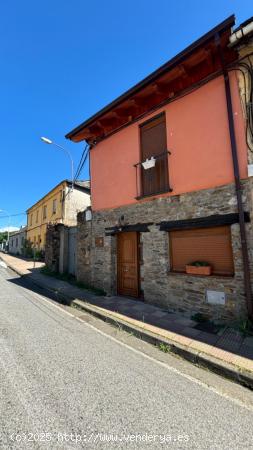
x: 137, y: 259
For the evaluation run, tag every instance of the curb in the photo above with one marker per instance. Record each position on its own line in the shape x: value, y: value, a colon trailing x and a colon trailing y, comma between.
x: 200, y: 359
x: 13, y: 268
x: 58, y: 295
x: 197, y: 358
x: 10, y: 267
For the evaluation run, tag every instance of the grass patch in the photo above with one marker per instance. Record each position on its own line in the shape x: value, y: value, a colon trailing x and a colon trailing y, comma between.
x: 245, y: 327
x: 164, y: 347
x: 72, y: 280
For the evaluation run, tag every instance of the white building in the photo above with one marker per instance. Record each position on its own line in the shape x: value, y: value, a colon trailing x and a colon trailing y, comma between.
x: 17, y: 240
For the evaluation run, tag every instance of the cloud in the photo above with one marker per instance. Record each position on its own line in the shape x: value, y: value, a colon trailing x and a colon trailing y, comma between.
x: 10, y: 229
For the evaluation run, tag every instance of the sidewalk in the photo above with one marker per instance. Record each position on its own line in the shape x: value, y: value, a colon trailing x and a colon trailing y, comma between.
x: 225, y: 351
x: 19, y: 265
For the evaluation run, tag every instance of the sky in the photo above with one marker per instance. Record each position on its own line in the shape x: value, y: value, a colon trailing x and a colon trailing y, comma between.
x: 62, y: 61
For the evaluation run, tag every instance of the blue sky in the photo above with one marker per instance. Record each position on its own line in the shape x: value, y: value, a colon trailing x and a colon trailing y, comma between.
x: 63, y: 60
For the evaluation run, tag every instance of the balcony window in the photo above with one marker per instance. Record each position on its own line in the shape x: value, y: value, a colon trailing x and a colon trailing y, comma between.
x: 153, y: 141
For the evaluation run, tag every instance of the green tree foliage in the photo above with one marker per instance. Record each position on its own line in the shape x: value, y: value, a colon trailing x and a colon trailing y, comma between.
x: 3, y: 236
x: 27, y: 249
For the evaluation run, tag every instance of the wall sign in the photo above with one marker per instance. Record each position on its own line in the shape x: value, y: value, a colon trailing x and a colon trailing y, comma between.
x: 215, y: 297
x: 99, y: 242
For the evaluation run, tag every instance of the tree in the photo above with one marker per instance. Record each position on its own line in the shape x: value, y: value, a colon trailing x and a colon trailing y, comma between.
x: 3, y: 236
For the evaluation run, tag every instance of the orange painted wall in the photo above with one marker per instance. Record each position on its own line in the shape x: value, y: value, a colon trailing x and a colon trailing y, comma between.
x: 197, y: 136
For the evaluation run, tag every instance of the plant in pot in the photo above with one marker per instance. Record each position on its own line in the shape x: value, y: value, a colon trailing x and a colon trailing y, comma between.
x: 199, y: 268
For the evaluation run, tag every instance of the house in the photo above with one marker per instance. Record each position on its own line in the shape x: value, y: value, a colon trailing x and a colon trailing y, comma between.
x: 17, y: 241
x: 60, y: 205
x: 171, y: 185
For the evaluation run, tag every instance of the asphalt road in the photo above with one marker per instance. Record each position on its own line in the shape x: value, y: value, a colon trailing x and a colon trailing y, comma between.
x: 63, y: 384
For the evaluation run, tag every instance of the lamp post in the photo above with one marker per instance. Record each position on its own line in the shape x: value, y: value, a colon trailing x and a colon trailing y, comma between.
x: 8, y: 231
x: 48, y: 141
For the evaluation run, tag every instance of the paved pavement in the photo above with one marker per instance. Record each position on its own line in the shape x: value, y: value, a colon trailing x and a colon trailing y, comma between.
x: 61, y: 379
x: 21, y: 265
x: 226, y: 347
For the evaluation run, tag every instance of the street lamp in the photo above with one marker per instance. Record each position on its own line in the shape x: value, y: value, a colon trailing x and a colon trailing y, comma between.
x: 48, y: 141
x: 8, y: 232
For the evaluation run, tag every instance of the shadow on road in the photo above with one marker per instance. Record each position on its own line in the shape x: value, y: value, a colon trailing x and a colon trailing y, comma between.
x: 226, y: 338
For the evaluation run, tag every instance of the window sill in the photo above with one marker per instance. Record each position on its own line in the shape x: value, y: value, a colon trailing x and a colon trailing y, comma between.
x: 213, y: 276
x: 140, y: 197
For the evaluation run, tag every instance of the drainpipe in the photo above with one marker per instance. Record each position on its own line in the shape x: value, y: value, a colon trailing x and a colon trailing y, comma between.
x: 244, y: 29
x: 238, y: 187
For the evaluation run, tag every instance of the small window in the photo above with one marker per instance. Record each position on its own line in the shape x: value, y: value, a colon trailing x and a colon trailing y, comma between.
x: 31, y: 219
x: 212, y: 245
x: 54, y: 206
x: 16, y: 242
x: 37, y: 216
x: 44, y: 212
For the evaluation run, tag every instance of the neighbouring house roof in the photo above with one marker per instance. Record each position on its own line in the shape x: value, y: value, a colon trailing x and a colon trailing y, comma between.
x: 83, y: 185
x: 191, y: 66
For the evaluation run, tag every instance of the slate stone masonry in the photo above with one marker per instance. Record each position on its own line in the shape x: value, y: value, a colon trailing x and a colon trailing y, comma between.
x: 52, y: 247
x: 97, y: 265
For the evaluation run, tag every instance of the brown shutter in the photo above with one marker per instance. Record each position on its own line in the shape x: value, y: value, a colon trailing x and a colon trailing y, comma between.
x: 153, y: 143
x: 212, y: 245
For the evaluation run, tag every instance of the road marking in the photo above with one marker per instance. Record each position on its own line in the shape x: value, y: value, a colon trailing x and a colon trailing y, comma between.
x: 2, y: 264
x: 150, y: 358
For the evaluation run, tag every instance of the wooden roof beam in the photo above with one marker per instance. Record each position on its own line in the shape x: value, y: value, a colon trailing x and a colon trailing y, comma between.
x: 198, y: 57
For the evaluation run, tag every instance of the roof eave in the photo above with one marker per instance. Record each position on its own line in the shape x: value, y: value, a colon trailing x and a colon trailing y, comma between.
x: 227, y: 23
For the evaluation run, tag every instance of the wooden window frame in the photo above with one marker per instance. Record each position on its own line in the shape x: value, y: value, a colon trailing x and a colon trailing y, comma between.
x: 148, y: 123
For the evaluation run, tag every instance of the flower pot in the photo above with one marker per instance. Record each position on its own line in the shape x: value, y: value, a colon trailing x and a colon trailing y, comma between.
x: 149, y: 163
x: 198, y: 270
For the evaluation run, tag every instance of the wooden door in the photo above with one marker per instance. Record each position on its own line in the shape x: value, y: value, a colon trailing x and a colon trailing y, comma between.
x: 128, y: 264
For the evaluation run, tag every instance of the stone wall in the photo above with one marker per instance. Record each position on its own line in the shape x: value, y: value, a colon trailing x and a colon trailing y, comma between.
x: 57, y: 248
x: 52, y: 247
x: 83, y: 256
x: 97, y: 264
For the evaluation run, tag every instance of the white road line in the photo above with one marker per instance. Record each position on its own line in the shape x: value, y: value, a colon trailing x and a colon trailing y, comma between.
x: 2, y: 264
x: 150, y: 358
